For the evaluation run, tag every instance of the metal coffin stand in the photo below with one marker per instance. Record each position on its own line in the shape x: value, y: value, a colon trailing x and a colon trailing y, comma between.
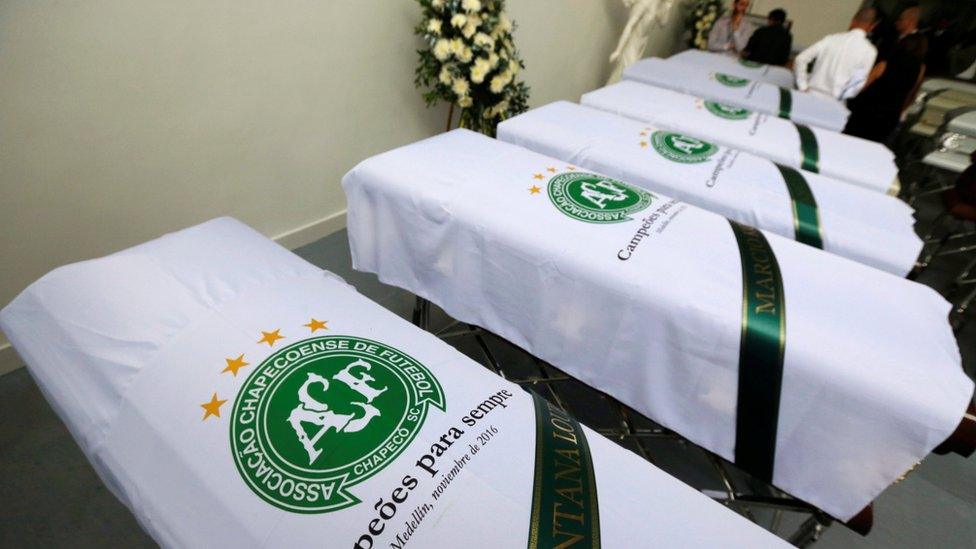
x: 799, y: 523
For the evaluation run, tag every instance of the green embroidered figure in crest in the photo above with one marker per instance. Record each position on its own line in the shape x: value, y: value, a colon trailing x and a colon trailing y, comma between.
x: 730, y: 81
x: 727, y: 111
x: 682, y: 148
x: 324, y: 414
x: 595, y: 198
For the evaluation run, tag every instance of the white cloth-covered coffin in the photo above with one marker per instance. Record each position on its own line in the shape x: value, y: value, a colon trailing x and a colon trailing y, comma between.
x: 728, y: 64
x: 653, y: 301
x: 835, y: 155
x: 802, y: 108
x: 233, y: 395
x: 856, y: 223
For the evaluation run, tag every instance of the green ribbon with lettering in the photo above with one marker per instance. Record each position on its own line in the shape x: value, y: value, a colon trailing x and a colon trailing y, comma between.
x: 564, y: 504
x: 761, y: 349
x: 806, y: 217
x: 809, y: 149
x: 785, y: 103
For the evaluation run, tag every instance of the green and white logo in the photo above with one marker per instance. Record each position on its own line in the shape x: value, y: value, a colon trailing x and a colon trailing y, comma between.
x: 730, y: 81
x: 595, y: 198
x: 324, y: 414
x: 681, y: 148
x: 750, y: 64
x: 727, y: 111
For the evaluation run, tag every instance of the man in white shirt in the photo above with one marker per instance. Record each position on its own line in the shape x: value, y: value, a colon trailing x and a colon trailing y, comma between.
x: 843, y: 60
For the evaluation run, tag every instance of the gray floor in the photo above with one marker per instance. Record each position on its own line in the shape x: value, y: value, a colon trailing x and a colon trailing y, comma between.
x: 50, y: 496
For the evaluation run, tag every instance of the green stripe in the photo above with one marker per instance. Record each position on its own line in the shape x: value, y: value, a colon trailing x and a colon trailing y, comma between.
x: 806, y: 217
x: 564, y: 504
x: 760, y: 354
x: 785, y: 103
x: 809, y: 149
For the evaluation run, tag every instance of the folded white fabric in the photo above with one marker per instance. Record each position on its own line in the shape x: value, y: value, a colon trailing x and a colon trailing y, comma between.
x: 850, y: 375
x: 802, y: 108
x: 728, y: 64
x: 836, y: 155
x: 840, y: 218
x: 233, y: 395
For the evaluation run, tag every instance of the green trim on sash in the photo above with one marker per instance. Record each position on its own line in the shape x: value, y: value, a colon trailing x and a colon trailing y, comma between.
x: 785, y: 103
x: 806, y: 217
x: 564, y: 504
x: 760, y: 354
x: 809, y: 149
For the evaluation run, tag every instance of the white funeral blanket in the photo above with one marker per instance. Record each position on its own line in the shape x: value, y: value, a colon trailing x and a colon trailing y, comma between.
x: 836, y: 155
x: 233, y: 395
x: 715, y: 85
x: 728, y: 64
x: 853, y: 222
x: 645, y: 302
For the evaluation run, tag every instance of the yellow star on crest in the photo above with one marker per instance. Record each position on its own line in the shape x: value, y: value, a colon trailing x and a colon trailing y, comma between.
x: 212, y: 408
x: 317, y: 325
x: 271, y: 337
x: 570, y: 168
x: 534, y: 189
x: 234, y: 364
x: 644, y: 134
x: 643, y: 143
x: 537, y: 176
x: 551, y: 170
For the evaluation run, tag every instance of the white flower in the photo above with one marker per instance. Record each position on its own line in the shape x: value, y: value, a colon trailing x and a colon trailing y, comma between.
x: 457, y: 46
x: 504, y: 23
x: 460, y: 87
x: 434, y: 26
x: 465, y: 102
x: 445, y: 76
x: 514, y: 68
x: 443, y: 49
x: 437, y: 4
x: 492, y: 60
x: 465, y: 55
x: 473, y: 19
x: 471, y: 5
x: 483, y: 40
x: 458, y: 20
x: 479, y: 70
x: 469, y: 30
x: 500, y: 108
x: 498, y: 83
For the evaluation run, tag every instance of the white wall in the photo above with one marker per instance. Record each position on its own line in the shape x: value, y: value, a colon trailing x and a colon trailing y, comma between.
x: 124, y: 119
x: 812, y: 19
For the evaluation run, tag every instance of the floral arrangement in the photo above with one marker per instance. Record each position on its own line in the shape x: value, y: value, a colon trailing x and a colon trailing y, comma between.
x: 703, y: 16
x: 470, y: 61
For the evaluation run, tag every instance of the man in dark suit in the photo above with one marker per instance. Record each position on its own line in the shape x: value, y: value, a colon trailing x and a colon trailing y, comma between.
x: 770, y: 44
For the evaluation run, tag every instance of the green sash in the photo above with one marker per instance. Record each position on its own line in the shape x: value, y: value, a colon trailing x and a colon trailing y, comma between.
x: 564, y: 504
x: 809, y: 149
x: 761, y: 351
x: 785, y: 103
x: 806, y: 218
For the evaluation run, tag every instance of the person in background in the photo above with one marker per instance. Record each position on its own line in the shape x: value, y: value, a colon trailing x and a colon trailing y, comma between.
x: 843, y: 60
x: 771, y: 44
x: 892, y: 84
x: 732, y: 31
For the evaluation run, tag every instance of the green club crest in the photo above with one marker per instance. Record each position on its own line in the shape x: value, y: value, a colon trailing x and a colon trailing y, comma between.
x: 750, y: 64
x: 730, y: 81
x: 596, y: 199
x: 324, y: 414
x: 727, y: 111
x: 681, y: 148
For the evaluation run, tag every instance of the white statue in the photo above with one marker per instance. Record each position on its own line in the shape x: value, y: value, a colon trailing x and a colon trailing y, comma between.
x: 643, y: 13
